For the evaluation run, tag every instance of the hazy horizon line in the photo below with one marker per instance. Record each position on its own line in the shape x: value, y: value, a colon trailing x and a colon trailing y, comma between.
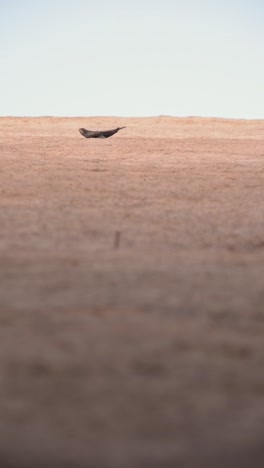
x: 127, y: 117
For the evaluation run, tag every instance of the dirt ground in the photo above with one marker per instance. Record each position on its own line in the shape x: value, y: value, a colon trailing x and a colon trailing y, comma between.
x: 132, y: 293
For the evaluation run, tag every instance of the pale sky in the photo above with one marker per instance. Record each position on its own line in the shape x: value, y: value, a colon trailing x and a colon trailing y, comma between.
x: 132, y: 58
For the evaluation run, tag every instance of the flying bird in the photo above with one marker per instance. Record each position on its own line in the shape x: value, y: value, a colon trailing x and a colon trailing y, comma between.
x: 99, y: 134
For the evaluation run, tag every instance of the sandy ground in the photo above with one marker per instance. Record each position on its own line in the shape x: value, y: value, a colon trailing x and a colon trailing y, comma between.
x: 132, y: 293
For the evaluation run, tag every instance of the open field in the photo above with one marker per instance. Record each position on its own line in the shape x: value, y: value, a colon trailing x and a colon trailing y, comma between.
x: 132, y: 294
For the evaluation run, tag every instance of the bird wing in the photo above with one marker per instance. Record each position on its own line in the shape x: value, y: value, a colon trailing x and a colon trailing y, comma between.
x: 108, y: 133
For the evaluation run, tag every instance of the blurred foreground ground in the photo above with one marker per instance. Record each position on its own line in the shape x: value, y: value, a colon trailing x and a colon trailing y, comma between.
x: 132, y: 294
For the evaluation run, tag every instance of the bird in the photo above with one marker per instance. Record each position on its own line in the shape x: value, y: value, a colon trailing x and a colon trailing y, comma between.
x: 100, y: 133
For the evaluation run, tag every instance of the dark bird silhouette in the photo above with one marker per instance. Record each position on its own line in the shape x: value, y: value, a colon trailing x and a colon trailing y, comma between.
x: 99, y: 134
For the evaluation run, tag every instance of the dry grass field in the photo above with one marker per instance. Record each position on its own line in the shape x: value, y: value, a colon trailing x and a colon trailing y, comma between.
x: 132, y: 293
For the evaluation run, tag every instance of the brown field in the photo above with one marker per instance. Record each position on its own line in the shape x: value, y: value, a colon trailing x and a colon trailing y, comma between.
x: 132, y: 294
